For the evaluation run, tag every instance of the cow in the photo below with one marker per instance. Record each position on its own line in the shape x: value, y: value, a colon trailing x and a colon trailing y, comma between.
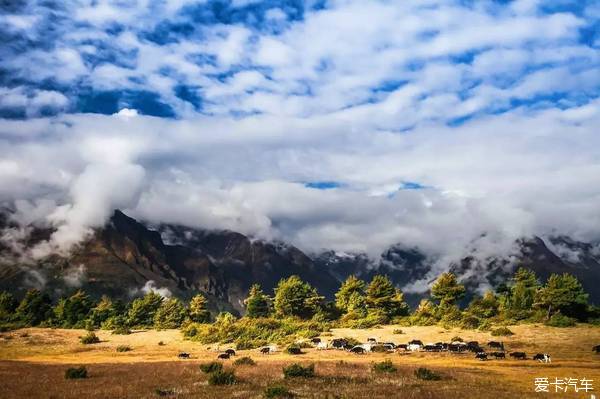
x: 265, y: 351
x: 183, y: 355
x: 431, y: 348
x: 496, y: 345
x: 456, y: 348
x: 542, y: 357
x: 372, y: 340
x: 391, y: 344
x: 294, y: 350
x: 481, y: 356
x: 416, y: 342
x: 322, y: 346
x: 413, y: 347
x: 473, y: 346
x: 316, y: 341
x: 402, y: 346
x: 339, y: 343
x: 498, y: 355
x: 230, y: 352
x: 359, y: 350
x: 223, y: 356
x: 518, y: 355
x: 596, y: 349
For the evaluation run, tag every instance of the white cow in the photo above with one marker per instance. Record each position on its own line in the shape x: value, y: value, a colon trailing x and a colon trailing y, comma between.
x: 322, y: 346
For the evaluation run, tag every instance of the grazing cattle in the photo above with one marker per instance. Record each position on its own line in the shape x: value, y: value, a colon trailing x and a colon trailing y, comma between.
x: 518, y: 355
x: 542, y: 357
x: 402, y: 346
x: 455, y: 348
x: 183, y: 355
x: 230, y: 352
x: 393, y: 345
x: 431, y: 348
x: 473, y: 346
x: 315, y: 341
x: 339, y: 343
x: 481, y: 356
x: 596, y: 349
x: 265, y: 351
x: 416, y: 342
x: 372, y: 340
x: 322, y: 346
x: 496, y: 345
x: 499, y: 355
x: 294, y: 350
x: 413, y: 347
x: 359, y: 350
x: 223, y: 356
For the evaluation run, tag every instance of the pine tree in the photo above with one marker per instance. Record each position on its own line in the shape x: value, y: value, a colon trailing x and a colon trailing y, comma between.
x: 257, y: 303
x: 447, y: 290
x: 72, y: 311
x: 349, y: 291
x: 142, y: 310
x: 382, y: 297
x: 8, y: 304
x: 170, y: 314
x: 523, y: 292
x: 198, y: 311
x: 34, y: 308
x: 562, y: 293
x: 294, y: 297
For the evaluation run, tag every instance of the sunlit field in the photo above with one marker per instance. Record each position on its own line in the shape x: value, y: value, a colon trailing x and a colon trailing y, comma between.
x: 33, y: 363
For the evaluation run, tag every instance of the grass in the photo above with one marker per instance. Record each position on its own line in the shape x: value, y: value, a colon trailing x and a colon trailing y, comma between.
x: 222, y: 377
x: 384, y: 367
x: 423, y: 373
x: 244, y: 361
x: 296, y: 370
x: 34, y: 366
x: 75, y: 373
x: 211, y: 367
x: 123, y: 348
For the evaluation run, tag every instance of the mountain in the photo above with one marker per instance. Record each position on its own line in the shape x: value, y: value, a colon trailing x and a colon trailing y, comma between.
x: 126, y: 258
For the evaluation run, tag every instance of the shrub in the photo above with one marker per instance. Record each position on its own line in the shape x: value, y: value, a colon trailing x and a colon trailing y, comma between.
x: 501, y: 332
x: 397, y: 331
x: 560, y: 320
x: 378, y: 349
x: 89, y: 338
x: 456, y: 338
x: 384, y: 367
x: 222, y: 378
x: 469, y: 322
x: 296, y: 370
x: 123, y: 348
x: 423, y: 373
x: 244, y: 361
x: 278, y: 391
x: 121, y: 331
x: 211, y: 367
x: 76, y: 373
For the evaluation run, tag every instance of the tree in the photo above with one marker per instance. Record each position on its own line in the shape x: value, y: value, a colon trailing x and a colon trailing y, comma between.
x: 72, y: 311
x: 198, y: 311
x: 523, y: 291
x: 383, y: 297
x: 103, y: 310
x: 34, y: 308
x: 447, y: 290
x: 142, y: 310
x: 562, y: 293
x: 257, y: 303
x: 170, y: 314
x: 294, y: 297
x: 485, y: 307
x: 8, y: 304
x: 349, y: 292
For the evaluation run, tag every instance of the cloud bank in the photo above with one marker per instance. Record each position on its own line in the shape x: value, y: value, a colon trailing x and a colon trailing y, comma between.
x: 347, y: 125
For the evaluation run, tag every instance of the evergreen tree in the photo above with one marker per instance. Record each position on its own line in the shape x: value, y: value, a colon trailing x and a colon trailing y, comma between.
x: 170, y: 314
x: 294, y: 297
x: 72, y: 311
x: 349, y: 291
x: 382, y: 297
x: 257, y: 303
x: 447, y: 290
x: 485, y: 307
x: 8, y: 304
x: 563, y: 293
x: 198, y: 311
x: 523, y: 292
x: 104, y: 310
x: 34, y: 308
x: 142, y: 310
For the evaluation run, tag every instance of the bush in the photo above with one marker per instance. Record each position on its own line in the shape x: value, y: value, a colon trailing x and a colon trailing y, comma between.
x: 73, y: 373
x: 423, y: 373
x: 397, y: 331
x: 470, y: 322
x: 378, y: 349
x: 123, y: 348
x: 456, y: 338
x: 89, y: 338
x: 211, y: 367
x: 121, y: 331
x: 384, y: 367
x: 501, y: 332
x: 296, y: 370
x: 222, y: 378
x: 560, y: 320
x: 279, y: 392
x: 244, y: 361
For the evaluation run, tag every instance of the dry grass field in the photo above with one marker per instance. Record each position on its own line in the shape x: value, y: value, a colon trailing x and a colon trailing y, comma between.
x: 33, y: 362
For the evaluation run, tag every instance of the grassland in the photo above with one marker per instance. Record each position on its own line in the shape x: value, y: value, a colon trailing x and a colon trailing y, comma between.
x: 33, y: 362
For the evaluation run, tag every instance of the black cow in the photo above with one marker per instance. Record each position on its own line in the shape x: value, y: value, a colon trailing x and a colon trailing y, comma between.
x: 339, y: 343
x: 498, y: 355
x: 518, y: 355
x: 316, y: 341
x: 402, y: 346
x: 596, y: 349
x: 223, y: 356
x: 359, y: 350
x: 496, y: 345
x: 431, y: 348
x: 391, y: 344
x: 230, y: 352
x: 473, y: 346
x: 416, y: 342
x: 371, y: 340
x: 183, y: 355
x: 542, y: 357
x: 481, y: 356
x: 265, y: 351
x: 456, y: 348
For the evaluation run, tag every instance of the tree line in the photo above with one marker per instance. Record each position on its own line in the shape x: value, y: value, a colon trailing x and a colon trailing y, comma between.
x: 560, y: 301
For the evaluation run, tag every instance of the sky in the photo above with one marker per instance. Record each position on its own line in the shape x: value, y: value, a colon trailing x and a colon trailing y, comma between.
x: 451, y: 125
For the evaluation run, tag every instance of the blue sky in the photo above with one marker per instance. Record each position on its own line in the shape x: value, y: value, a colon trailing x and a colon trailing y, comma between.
x: 343, y: 124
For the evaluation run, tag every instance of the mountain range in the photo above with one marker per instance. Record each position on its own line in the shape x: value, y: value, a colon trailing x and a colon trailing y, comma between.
x: 126, y: 258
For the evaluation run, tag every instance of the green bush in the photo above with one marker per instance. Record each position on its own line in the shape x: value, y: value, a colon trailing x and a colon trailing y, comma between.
x: 121, y: 331
x: 378, y: 349
x: 73, y: 373
x: 244, y: 361
x: 560, y: 320
x: 423, y: 373
x: 470, y: 322
x: 211, y: 367
x: 456, y: 338
x: 397, y: 331
x: 123, y: 348
x: 384, y: 367
x: 501, y: 332
x: 222, y: 378
x: 296, y: 370
x: 89, y: 338
x: 278, y: 392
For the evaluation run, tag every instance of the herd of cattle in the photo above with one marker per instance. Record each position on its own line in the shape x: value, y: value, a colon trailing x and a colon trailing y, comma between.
x: 496, y: 349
